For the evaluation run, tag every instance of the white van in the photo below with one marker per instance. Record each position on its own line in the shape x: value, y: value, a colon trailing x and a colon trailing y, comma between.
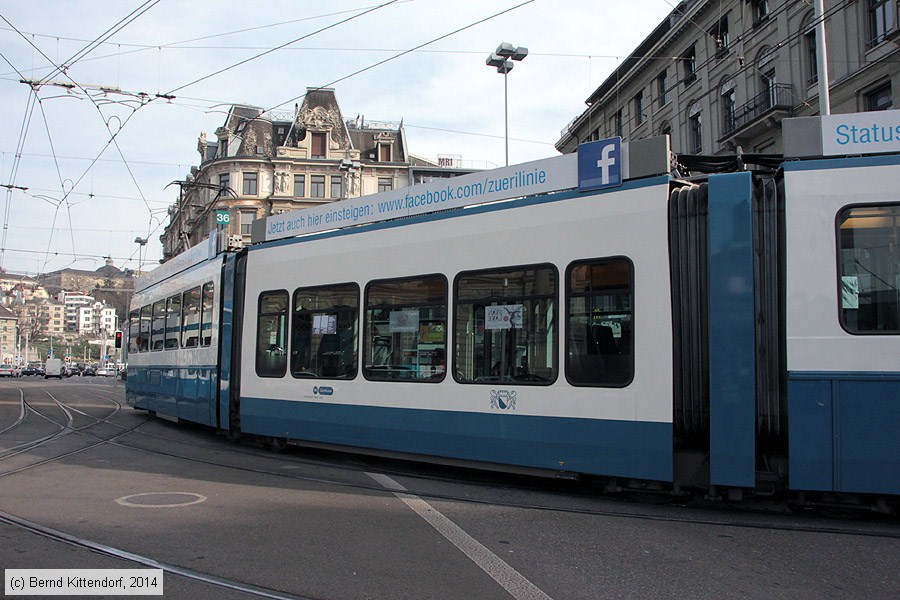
x: 53, y: 368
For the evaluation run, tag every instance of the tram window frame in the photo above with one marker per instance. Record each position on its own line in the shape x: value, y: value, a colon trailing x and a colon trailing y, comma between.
x: 190, y: 318
x: 269, y: 361
x: 207, y: 312
x: 158, y: 331
x: 134, y: 331
x: 412, y: 345
x: 466, y: 307
x: 144, y: 336
x: 880, y: 320
x: 303, y: 332
x: 173, y: 323
x: 607, y: 345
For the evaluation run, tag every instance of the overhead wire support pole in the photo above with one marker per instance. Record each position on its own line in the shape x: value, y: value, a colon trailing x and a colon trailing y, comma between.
x: 822, y: 59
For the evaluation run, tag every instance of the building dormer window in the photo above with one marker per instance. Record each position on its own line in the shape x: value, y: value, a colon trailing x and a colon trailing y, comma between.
x: 384, y: 152
x: 318, y: 145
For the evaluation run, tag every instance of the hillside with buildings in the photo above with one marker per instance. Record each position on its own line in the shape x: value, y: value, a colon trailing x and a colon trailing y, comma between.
x: 71, y: 313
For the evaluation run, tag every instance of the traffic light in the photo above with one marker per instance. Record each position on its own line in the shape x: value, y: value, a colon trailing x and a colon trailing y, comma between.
x: 118, y: 339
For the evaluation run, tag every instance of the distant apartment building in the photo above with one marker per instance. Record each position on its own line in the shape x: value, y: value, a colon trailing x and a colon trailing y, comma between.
x: 74, y: 302
x: 720, y: 75
x: 53, y: 317
x: 96, y: 319
x: 263, y: 163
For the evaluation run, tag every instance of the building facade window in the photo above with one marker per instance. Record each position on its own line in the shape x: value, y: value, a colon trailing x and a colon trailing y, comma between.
x: 662, y: 88
x: 224, y: 184
x: 880, y: 98
x: 882, y: 20
x: 760, y: 11
x: 251, y: 187
x: 337, y: 186
x: 695, y: 130
x: 639, y: 108
x: 385, y: 184
x: 719, y: 33
x: 728, y: 114
x: 384, y: 152
x: 689, y: 65
x: 317, y: 186
x: 318, y: 146
x: 812, y: 61
x: 769, y: 89
x: 299, y: 186
x: 247, y: 217
x: 615, y: 124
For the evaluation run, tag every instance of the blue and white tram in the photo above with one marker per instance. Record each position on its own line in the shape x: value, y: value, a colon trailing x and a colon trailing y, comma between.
x: 173, y: 340
x: 734, y: 331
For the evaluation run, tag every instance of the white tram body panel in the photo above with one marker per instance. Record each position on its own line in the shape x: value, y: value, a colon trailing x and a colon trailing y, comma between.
x: 630, y: 223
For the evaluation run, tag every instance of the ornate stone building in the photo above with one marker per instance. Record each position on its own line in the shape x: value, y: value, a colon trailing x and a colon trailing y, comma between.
x: 723, y: 74
x: 263, y: 163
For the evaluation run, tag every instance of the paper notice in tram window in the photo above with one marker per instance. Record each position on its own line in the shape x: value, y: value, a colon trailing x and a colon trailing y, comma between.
x: 324, y: 324
x: 504, y: 316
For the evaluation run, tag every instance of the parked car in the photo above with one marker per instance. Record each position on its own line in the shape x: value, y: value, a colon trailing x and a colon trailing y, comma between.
x: 8, y: 371
x: 89, y: 370
x: 33, y: 369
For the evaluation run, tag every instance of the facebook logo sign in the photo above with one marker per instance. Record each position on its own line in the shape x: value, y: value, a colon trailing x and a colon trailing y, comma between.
x: 600, y: 164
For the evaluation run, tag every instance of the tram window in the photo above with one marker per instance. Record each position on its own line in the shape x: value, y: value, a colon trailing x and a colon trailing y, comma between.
x: 144, y: 339
x: 869, y: 262
x: 599, y: 323
x: 190, y: 319
x: 406, y: 329
x: 271, y: 334
x: 325, y: 332
x: 158, y: 326
x: 134, y: 331
x: 206, y: 314
x: 173, y: 321
x: 506, y: 328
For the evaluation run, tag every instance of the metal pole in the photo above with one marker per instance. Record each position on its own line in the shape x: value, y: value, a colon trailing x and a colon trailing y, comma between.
x: 506, y: 116
x: 821, y: 59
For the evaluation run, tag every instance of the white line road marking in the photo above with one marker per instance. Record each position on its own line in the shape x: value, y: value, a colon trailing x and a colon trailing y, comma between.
x: 511, y: 580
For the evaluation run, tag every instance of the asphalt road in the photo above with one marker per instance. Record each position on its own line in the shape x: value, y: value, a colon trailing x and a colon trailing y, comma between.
x: 88, y: 483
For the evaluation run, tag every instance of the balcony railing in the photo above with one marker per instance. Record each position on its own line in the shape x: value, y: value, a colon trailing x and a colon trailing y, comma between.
x: 776, y: 98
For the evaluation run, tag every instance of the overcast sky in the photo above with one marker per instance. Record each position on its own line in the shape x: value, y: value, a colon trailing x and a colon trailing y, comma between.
x: 87, y: 198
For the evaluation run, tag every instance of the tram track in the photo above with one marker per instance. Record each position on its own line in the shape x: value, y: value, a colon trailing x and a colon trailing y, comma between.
x: 62, y: 429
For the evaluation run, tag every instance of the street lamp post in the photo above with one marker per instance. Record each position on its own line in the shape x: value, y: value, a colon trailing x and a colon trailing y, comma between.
x: 500, y: 60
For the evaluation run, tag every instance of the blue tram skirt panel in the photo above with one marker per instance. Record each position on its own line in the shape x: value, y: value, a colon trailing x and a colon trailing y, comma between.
x: 641, y: 450
x: 844, y: 432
